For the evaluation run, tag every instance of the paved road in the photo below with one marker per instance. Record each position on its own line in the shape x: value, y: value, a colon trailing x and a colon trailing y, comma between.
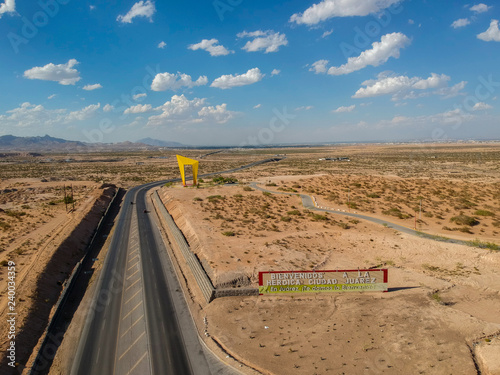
x: 307, y: 202
x: 133, y: 306
x: 134, y: 327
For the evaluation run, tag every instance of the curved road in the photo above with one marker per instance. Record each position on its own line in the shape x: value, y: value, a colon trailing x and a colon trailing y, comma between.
x: 126, y: 329
x: 307, y: 202
x: 134, y: 326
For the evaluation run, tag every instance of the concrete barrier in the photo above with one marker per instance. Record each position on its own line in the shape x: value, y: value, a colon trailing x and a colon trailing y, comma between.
x: 199, y: 273
x: 204, y: 282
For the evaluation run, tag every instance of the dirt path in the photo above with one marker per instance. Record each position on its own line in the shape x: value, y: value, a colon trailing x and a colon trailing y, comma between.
x: 53, y: 229
x: 310, y: 202
x: 443, y: 296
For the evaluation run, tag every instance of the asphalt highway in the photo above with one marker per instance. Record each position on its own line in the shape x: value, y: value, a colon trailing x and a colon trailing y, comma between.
x: 133, y: 325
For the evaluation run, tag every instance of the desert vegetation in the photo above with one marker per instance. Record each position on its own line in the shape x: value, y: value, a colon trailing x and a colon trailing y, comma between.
x: 439, y: 206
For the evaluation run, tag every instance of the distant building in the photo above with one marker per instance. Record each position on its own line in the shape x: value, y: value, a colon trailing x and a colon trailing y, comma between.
x: 336, y: 159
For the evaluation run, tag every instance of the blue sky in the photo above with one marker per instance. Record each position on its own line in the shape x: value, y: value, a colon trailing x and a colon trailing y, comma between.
x: 240, y: 72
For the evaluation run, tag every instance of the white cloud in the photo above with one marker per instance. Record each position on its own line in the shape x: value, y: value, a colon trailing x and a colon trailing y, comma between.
x: 162, y: 45
x: 182, y: 110
x: 304, y: 108
x: 52, y: 96
x: 460, y: 23
x: 228, y: 81
x: 319, y: 66
x: 257, y: 106
x: 399, y: 119
x: 389, y: 46
x: 275, y: 72
x: 492, y: 34
x: 480, y: 106
x: 9, y: 6
x: 139, y: 9
x: 269, y: 41
x: 92, y: 87
x: 139, y: 96
x: 433, y: 82
x: 327, y: 33
x: 345, y: 109
x: 62, y: 73
x: 92, y: 7
x: 139, y: 108
x: 340, y: 8
x: 403, y: 87
x: 383, y: 86
x: 211, y: 46
x: 170, y: 81
x: 218, y: 114
x: 108, y: 108
x: 179, y: 108
x: 31, y: 115
x: 451, y: 92
x: 138, y: 121
x: 34, y: 116
x: 83, y: 114
x: 411, y: 22
x: 448, y: 118
x: 480, y: 8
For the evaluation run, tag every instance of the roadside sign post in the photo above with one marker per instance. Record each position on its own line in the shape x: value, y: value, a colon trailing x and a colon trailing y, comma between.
x: 291, y: 282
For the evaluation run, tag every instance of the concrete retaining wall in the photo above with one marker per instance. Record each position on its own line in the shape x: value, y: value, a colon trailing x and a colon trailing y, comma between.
x: 204, y: 282
x: 199, y: 274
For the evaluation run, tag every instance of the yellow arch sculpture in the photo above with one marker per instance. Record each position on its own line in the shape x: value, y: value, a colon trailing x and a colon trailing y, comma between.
x: 183, y: 161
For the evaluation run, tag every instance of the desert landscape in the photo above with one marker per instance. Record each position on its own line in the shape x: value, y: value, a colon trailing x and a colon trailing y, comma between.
x: 250, y: 187
x: 441, y: 314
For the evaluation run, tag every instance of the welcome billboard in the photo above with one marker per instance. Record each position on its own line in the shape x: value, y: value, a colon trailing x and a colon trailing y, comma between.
x: 285, y: 282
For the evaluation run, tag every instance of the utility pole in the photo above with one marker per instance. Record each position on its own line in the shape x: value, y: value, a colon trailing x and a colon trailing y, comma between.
x: 348, y: 195
x: 72, y: 199
x: 65, y: 201
x: 420, y: 215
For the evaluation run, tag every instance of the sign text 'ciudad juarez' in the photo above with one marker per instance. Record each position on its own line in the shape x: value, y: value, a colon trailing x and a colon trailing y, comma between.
x: 284, y: 282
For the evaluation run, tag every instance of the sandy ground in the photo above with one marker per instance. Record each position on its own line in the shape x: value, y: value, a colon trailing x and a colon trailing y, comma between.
x: 45, y: 242
x: 443, y: 298
x: 454, y: 208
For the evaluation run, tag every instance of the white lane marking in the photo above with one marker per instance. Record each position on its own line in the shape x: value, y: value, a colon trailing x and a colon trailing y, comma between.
x: 133, y: 274
x: 133, y: 324
x: 103, y: 325
x: 130, y: 299
x: 131, y: 345
x: 132, y: 266
x: 131, y: 311
x: 139, y: 361
x: 131, y: 285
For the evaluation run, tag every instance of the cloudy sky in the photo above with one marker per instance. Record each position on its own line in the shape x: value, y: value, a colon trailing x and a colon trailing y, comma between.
x: 239, y: 72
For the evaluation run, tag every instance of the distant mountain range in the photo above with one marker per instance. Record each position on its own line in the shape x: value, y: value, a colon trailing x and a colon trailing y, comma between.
x: 48, y: 143
x: 159, y: 143
x: 35, y: 143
